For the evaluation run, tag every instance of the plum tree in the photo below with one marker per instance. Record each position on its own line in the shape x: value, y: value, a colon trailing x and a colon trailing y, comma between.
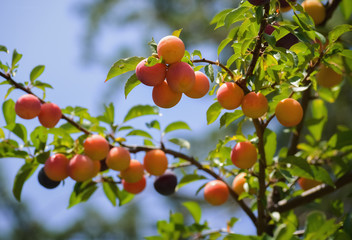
x: 45, y: 181
x: 56, y: 167
x: 180, y: 77
x: 254, y: 105
x: 27, y: 106
x: 315, y: 9
x: 230, y: 95
x: 200, y: 86
x: 134, y: 172
x: 244, y: 155
x: 166, y: 184
x: 155, y: 162
x: 96, y: 147
x: 289, y: 112
x: 81, y: 168
x: 118, y: 158
x: 306, y: 183
x: 327, y: 77
x: 238, y: 183
x: 151, y: 76
x: 164, y: 96
x: 216, y: 192
x: 171, y: 49
x: 136, y: 187
x: 50, y: 114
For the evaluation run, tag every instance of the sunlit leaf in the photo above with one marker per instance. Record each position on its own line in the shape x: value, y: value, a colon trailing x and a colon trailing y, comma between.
x: 176, y: 126
x: 140, y: 110
x: 131, y: 83
x: 122, y: 66
x: 36, y: 72
x: 21, y: 177
x: 194, y: 209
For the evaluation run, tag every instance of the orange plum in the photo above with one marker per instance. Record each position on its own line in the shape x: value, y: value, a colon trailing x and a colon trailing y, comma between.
x: 151, y: 76
x: 81, y: 168
x: 164, y: 97
x: 96, y: 147
x: 50, y: 114
x: 315, y: 9
x: 244, y: 155
x: 254, y: 105
x: 56, y: 167
x: 200, y: 87
x: 155, y: 162
x: 134, y: 172
x: 118, y: 159
x: 230, y: 95
x: 27, y: 106
x: 134, y: 188
x: 171, y: 49
x: 238, y: 183
x: 180, y: 77
x: 327, y: 77
x: 289, y: 112
x: 306, y: 183
x: 216, y: 192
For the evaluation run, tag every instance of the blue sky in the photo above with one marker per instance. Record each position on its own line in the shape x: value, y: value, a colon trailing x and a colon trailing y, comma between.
x: 50, y: 33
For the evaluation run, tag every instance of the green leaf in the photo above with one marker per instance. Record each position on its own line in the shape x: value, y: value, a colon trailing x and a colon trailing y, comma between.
x: 131, y: 83
x: 42, y: 156
x: 347, y: 53
x: 141, y: 133
x: 122, y: 66
x: 269, y: 145
x: 110, y: 190
x: 194, y: 209
x: 220, y: 16
x: 140, y: 110
x: 209, y: 71
x: 16, y: 57
x: 347, y: 224
x: 153, y: 46
x: 18, y: 129
x: 189, y: 178
x: 36, y: 72
x: 176, y: 126
x: 213, y: 112
x: 82, y: 191
x: 318, y: 227
x: 8, y: 109
x: 227, y: 118
x: 181, y: 142
x: 109, y: 114
x: 154, y: 124
x: 346, y: 9
x: 223, y: 44
x: 236, y: 15
x: 9, y: 91
x: 177, y: 33
x: 196, y: 53
x: 124, y: 197
x: 2, y: 134
x: 21, y: 177
x: 338, y: 31
x: 3, y: 49
x: 320, y: 115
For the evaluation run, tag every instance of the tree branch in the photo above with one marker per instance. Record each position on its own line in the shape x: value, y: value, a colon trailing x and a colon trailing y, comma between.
x: 329, y: 10
x: 258, y: 46
x: 261, y: 223
x: 218, y: 64
x: 135, y: 149
x: 311, y: 194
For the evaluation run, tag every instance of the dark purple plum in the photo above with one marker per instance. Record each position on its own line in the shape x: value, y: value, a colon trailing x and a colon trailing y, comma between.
x: 45, y: 181
x: 284, y: 3
x: 258, y: 2
x: 287, y: 41
x: 166, y: 183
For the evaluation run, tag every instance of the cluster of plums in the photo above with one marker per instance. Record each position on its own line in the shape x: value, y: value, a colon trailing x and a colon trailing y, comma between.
x: 82, y: 167
x: 29, y: 106
x: 180, y: 76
